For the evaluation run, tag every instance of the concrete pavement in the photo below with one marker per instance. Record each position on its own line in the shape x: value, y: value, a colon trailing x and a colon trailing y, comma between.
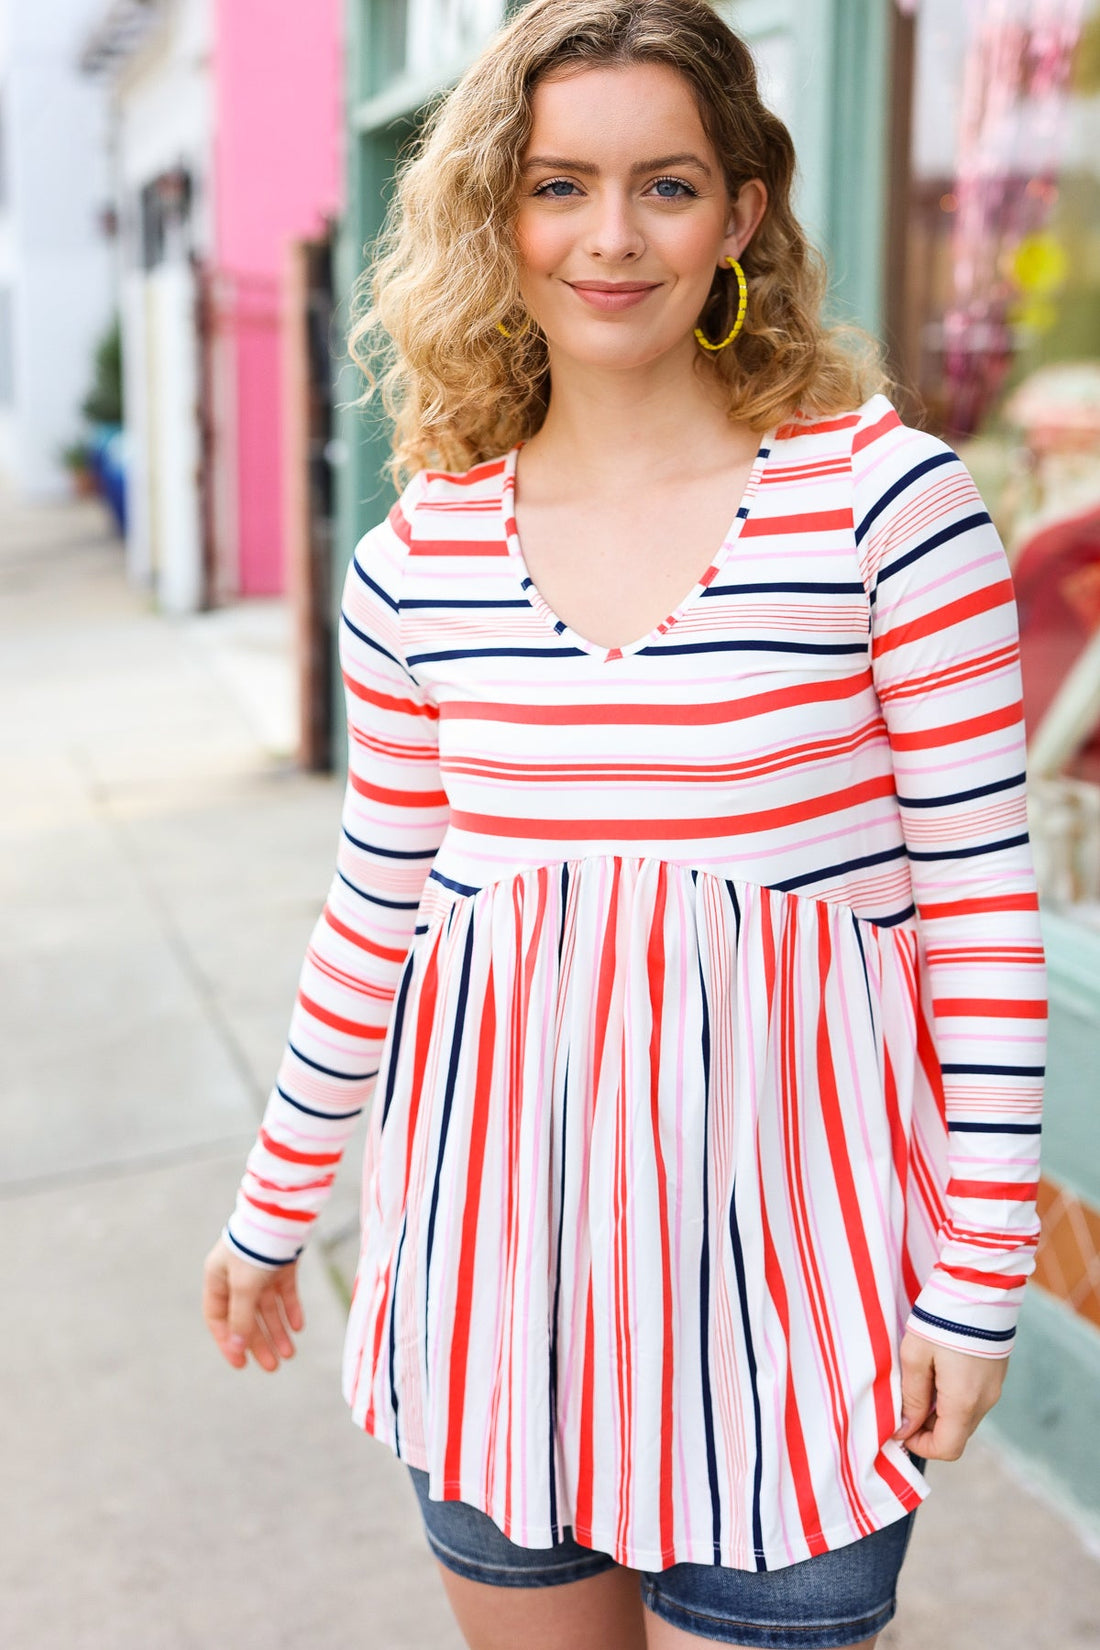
x: 162, y: 865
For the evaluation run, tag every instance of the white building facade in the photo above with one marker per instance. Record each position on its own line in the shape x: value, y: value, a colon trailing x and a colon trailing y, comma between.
x: 56, y: 257
x: 151, y: 58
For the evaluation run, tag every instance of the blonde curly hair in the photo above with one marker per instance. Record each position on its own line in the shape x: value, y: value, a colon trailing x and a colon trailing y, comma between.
x: 443, y: 273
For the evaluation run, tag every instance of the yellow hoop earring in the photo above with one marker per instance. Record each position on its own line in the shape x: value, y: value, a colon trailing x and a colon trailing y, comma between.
x: 502, y: 328
x: 742, y: 304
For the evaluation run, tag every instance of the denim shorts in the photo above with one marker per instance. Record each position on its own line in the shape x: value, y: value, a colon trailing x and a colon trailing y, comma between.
x: 834, y: 1599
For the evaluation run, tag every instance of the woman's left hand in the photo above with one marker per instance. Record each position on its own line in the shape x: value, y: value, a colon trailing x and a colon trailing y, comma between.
x: 944, y: 1395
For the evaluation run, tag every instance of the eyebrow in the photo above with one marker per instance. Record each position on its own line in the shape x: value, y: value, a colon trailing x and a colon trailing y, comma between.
x: 587, y: 170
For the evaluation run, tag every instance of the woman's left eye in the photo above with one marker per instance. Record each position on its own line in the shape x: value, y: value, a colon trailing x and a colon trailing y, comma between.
x: 677, y: 183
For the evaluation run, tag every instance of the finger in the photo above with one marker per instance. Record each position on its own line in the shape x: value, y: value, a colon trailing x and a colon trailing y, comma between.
x: 215, y: 1310
x: 292, y: 1305
x: 944, y: 1440
x: 274, y: 1328
x: 260, y: 1347
x: 244, y: 1292
x: 917, y: 1386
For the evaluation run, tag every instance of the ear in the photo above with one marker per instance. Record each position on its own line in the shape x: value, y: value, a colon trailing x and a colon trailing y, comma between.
x: 745, y: 216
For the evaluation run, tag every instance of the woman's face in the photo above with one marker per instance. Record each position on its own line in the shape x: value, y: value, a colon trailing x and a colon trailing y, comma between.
x: 624, y: 214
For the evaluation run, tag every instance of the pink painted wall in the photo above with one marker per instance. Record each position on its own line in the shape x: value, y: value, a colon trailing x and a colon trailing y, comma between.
x: 278, y: 163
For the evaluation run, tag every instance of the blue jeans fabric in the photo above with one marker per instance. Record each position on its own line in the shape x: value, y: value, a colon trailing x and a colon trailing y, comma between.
x: 832, y: 1600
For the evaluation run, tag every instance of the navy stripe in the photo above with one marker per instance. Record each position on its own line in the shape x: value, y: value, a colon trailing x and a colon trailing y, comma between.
x: 892, y: 922
x: 389, y: 853
x: 758, y: 645
x: 498, y: 653
x: 444, y: 1124
x: 979, y: 519
x: 375, y: 899
x: 899, y: 487
x: 995, y: 1128
x: 310, y: 1111
x: 254, y: 1254
x: 750, y: 1358
x: 704, y: 1286
x: 961, y: 796
x: 377, y: 646
x: 993, y: 1071
x: 440, y: 605
x: 963, y: 1328
x: 383, y: 595
x: 972, y: 853
x: 393, y: 1335
x: 395, y: 1034
x: 327, y: 1071
x: 837, y: 870
x: 792, y: 589
x: 449, y: 882
x: 552, y: 1397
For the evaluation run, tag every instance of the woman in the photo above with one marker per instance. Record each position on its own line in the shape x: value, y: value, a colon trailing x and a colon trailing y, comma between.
x: 684, y: 921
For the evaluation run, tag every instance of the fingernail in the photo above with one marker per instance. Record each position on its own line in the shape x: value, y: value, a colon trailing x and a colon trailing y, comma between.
x: 236, y: 1343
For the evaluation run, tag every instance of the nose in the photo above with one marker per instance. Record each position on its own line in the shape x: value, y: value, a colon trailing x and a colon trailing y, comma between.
x: 612, y: 232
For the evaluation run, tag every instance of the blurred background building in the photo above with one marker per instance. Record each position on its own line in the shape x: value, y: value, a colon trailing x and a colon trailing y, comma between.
x: 949, y: 157
x: 56, y: 266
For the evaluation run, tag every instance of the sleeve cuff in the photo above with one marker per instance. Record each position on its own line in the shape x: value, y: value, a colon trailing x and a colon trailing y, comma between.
x: 259, y: 1257
x: 960, y: 1336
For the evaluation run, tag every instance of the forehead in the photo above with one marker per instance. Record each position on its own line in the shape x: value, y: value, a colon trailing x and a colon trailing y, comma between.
x: 615, y: 110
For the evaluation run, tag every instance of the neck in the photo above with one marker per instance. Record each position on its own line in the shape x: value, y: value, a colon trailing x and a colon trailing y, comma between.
x: 637, y: 426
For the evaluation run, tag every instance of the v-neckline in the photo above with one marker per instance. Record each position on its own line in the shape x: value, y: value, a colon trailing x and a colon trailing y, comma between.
x: 566, y: 632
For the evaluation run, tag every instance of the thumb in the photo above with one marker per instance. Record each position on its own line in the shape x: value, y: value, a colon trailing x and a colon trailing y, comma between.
x: 917, y: 1384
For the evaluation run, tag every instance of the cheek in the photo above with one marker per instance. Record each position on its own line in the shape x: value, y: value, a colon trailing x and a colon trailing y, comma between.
x: 540, y: 244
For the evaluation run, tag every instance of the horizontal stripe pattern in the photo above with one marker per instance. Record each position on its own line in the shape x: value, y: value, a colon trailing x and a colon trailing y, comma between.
x: 699, y: 989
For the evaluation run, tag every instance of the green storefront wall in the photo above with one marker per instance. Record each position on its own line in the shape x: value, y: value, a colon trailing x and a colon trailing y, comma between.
x: 828, y: 69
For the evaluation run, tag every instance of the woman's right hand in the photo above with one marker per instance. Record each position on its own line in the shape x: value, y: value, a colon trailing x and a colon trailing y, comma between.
x: 250, y: 1308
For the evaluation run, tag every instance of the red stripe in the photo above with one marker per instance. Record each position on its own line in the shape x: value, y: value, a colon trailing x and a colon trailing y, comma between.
x: 983, y: 906
x: 872, y: 432
x: 808, y: 521
x: 1011, y: 1191
x: 690, y: 715
x: 387, y: 952
x: 989, y: 1280
x: 277, y: 1209
x: 465, y: 548
x: 484, y: 471
x: 993, y: 1008
x: 848, y: 1194
x: 942, y: 618
x: 386, y: 701
x: 397, y: 799
x: 467, y: 1254
x: 954, y: 733
x: 811, y: 1272
x: 353, y: 1028
x: 316, y: 1160
x: 656, y: 975
x: 633, y: 830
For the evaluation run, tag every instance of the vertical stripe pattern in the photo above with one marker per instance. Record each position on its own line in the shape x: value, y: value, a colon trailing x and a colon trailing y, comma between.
x: 699, y: 986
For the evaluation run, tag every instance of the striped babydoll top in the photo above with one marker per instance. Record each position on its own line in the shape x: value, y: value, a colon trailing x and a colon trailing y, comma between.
x: 698, y: 985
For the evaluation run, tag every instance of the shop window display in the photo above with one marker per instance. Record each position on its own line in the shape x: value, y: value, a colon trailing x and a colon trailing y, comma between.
x: 998, y: 333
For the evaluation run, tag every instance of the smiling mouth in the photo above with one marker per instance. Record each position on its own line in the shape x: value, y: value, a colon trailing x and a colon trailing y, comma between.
x: 612, y: 286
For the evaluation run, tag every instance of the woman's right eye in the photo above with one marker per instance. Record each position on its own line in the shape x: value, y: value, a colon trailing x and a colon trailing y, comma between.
x: 553, y: 185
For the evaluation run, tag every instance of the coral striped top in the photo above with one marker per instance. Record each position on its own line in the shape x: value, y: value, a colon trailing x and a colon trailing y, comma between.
x: 700, y: 989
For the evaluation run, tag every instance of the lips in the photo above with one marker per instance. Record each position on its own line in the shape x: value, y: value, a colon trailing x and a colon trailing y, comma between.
x: 612, y: 295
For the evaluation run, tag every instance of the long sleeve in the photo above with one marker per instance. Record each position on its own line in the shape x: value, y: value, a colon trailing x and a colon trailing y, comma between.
x: 945, y: 660
x: 394, y: 815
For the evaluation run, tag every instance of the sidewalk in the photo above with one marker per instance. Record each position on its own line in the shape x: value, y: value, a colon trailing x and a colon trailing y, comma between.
x: 162, y: 866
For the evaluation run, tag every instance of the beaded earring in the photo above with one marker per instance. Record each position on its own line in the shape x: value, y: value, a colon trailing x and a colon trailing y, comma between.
x: 743, y: 290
